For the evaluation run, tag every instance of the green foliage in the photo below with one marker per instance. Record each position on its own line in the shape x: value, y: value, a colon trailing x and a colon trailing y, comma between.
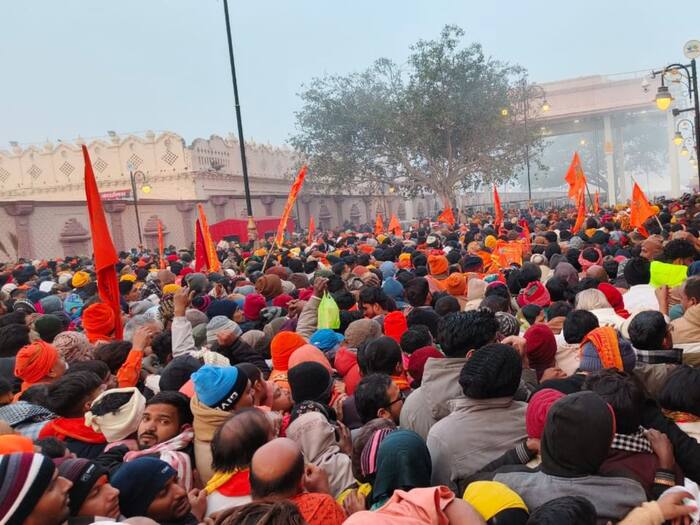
x: 434, y: 125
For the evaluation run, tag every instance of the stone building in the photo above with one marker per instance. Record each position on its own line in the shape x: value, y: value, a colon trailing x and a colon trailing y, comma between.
x: 43, y: 200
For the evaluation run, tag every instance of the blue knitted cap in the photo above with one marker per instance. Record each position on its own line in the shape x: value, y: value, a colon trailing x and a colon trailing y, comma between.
x: 217, y: 384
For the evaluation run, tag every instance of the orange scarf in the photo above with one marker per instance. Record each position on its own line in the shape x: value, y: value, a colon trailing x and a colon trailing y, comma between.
x: 604, y: 339
x: 402, y: 382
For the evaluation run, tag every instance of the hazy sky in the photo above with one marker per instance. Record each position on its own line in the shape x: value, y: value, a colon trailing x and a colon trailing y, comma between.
x: 82, y: 67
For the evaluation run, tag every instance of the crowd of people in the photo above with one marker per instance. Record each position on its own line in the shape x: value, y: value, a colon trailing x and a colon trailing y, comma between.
x: 515, y: 373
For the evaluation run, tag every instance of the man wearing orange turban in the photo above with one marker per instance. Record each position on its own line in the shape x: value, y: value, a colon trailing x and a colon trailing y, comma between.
x: 438, y: 266
x: 38, y: 362
x: 98, y: 322
x: 281, y: 348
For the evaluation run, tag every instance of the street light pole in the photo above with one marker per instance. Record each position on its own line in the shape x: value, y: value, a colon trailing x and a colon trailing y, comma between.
x: 526, y: 103
x: 252, y: 231
x: 132, y: 176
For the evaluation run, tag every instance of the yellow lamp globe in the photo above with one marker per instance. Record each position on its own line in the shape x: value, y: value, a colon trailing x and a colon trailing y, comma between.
x: 684, y: 151
x: 678, y: 138
x: 146, y: 189
x: 504, y: 112
x: 545, y: 106
x: 663, y: 98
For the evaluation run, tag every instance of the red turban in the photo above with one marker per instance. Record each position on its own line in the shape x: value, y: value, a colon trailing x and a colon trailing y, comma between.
x: 541, y: 347
x: 34, y: 362
x: 281, y: 348
x: 534, y: 293
x: 282, y: 300
x: 252, y: 305
x: 395, y: 325
x: 98, y: 322
x: 537, y: 408
x: 614, y: 297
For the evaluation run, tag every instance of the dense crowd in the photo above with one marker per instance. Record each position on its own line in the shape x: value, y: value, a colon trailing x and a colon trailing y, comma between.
x: 519, y: 373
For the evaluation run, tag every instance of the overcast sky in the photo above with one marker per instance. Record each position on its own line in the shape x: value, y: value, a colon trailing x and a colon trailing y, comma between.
x: 82, y: 67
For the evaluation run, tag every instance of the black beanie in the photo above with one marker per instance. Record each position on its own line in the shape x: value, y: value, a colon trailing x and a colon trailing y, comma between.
x: 84, y: 474
x: 491, y: 371
x: 310, y: 381
x: 178, y: 372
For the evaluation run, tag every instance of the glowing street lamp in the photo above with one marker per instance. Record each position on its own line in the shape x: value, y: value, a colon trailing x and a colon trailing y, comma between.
x: 678, y: 138
x: 663, y: 98
x: 684, y: 151
x: 545, y: 106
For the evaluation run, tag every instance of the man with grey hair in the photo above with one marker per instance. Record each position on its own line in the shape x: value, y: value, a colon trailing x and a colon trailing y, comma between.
x: 142, y: 320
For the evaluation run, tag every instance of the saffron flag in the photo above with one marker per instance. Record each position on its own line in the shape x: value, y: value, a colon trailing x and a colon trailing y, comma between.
x: 395, y: 226
x: 103, y: 247
x: 312, y: 230
x: 293, y: 192
x: 498, y: 211
x: 581, y: 216
x: 212, y: 258
x: 596, y: 203
x: 201, y: 262
x: 527, y: 240
x: 378, y: 225
x: 640, y: 210
x: 161, y: 249
x: 447, y: 216
x: 575, y: 177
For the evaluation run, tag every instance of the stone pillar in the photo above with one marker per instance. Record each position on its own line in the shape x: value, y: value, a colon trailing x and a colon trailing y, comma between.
x: 608, y: 148
x: 306, y: 201
x: 267, y: 201
x: 219, y: 204
x: 185, y: 208
x: 339, y: 209
x: 619, y: 156
x: 150, y: 231
x: 367, y: 201
x: 21, y: 210
x: 673, y: 157
x: 115, y: 209
x: 74, y: 239
x: 410, y: 212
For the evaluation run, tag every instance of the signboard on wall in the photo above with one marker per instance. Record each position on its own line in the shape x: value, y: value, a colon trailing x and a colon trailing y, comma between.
x: 117, y: 195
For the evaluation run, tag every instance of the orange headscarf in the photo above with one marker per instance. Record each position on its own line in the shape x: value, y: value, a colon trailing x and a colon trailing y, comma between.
x: 12, y: 443
x: 98, y: 322
x: 34, y: 362
x: 307, y: 354
x: 605, y: 341
x: 281, y: 348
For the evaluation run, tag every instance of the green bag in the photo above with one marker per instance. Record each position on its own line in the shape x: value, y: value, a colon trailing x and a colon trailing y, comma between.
x: 328, y: 313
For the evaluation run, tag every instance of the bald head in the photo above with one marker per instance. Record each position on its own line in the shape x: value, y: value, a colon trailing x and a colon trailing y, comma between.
x: 652, y: 247
x: 166, y: 277
x: 598, y: 273
x: 277, y: 469
x: 236, y: 441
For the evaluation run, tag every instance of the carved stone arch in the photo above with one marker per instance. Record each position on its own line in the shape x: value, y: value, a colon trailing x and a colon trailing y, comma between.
x: 150, y: 231
x: 74, y: 238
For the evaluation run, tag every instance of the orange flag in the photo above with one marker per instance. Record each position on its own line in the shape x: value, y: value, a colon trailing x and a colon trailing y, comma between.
x: 527, y: 241
x: 312, y: 230
x: 596, y: 203
x: 395, y: 226
x: 293, y: 192
x: 161, y: 247
x: 212, y: 257
x: 103, y: 247
x: 575, y: 177
x: 201, y: 260
x: 581, y: 217
x: 378, y: 225
x: 447, y: 216
x: 641, y: 210
x: 498, y: 211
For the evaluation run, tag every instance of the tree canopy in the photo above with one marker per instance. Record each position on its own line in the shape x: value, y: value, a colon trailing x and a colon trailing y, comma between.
x: 437, y: 123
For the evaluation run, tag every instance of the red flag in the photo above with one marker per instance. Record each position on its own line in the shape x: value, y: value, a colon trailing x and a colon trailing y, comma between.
x: 312, y: 230
x: 161, y: 246
x: 575, y: 177
x: 378, y: 225
x: 296, y: 188
x: 581, y: 216
x: 395, y: 226
x: 212, y: 258
x: 447, y: 216
x: 596, y: 203
x: 498, y: 211
x: 201, y: 261
x: 527, y: 241
x: 641, y: 210
x: 103, y: 247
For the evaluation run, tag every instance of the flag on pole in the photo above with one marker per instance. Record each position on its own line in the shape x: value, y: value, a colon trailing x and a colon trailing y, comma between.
x: 395, y: 226
x: 575, y: 177
x: 641, y: 210
x: 161, y: 247
x: 527, y: 241
x: 581, y: 216
x: 447, y: 216
x: 212, y: 258
x: 201, y: 261
x: 312, y: 230
x: 103, y: 247
x: 293, y: 192
x: 498, y: 211
x: 378, y: 224
x: 596, y: 203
